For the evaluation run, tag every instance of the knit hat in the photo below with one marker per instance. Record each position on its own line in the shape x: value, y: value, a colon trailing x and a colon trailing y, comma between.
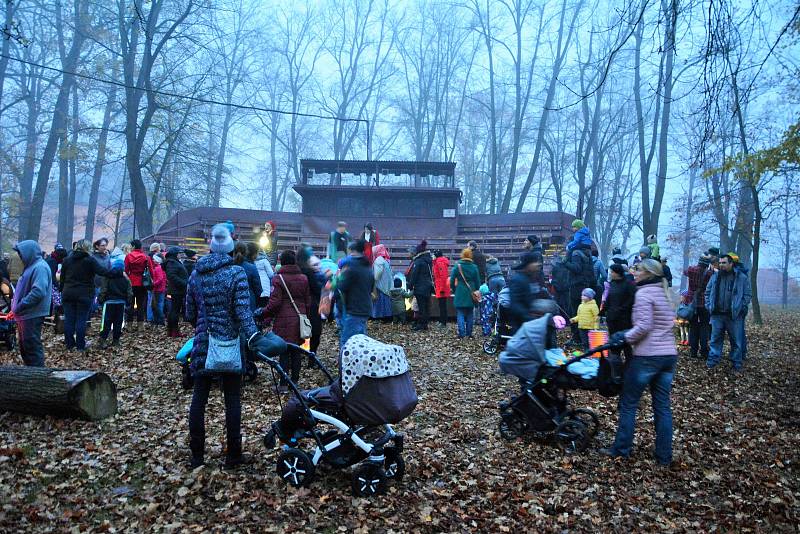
x: 221, y: 240
x: 734, y: 257
x: 704, y: 260
x: 578, y: 223
x: 617, y: 268
x: 173, y: 252
x: 646, y: 251
x: 230, y: 226
x: 118, y: 264
x: 422, y: 247
x: 713, y: 251
x: 484, y: 289
x: 190, y: 253
x: 58, y: 246
x: 155, y: 247
x: 588, y: 293
x: 271, y: 224
x: 533, y: 239
x: 651, y: 239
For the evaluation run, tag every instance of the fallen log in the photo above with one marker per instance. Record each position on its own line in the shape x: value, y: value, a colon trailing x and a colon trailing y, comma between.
x: 61, y: 393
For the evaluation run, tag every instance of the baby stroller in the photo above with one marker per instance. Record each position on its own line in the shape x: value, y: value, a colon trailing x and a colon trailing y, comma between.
x: 542, y: 408
x: 8, y: 327
x: 375, y: 390
x: 502, y: 331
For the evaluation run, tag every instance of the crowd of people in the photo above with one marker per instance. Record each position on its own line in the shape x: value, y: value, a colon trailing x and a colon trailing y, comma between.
x: 242, y: 289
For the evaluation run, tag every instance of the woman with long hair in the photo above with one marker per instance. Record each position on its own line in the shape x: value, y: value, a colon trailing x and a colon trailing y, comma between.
x: 382, y: 270
x: 653, y: 362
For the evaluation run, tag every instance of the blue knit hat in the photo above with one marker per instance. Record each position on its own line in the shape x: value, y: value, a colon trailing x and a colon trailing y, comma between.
x: 588, y: 293
x: 221, y: 240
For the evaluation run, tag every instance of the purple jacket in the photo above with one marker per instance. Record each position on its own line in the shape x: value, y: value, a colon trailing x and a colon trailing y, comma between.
x: 653, y: 317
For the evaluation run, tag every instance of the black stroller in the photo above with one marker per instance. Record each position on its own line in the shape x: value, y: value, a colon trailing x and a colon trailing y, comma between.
x: 542, y: 408
x: 374, y: 392
x: 8, y: 327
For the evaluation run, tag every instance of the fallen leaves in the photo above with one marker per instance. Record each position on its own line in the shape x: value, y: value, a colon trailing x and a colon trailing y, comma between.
x: 736, y: 450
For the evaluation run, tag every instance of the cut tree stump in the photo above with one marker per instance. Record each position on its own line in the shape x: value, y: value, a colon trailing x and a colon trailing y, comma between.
x: 61, y: 393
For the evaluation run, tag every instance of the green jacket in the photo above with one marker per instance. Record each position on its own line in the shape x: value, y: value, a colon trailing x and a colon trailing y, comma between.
x: 462, y: 294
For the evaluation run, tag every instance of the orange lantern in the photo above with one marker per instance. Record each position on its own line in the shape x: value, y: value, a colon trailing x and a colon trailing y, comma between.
x: 597, y: 338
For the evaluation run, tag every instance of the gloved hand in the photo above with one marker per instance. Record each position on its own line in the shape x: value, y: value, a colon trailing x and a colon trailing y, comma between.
x: 267, y: 344
x: 618, y: 339
x: 559, y: 322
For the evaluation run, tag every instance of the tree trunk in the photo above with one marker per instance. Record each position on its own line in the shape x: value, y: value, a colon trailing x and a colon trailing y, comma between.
x: 64, y: 231
x: 687, y: 226
x: 220, y: 166
x: 100, y: 161
x: 73, y: 394
x: 9, y: 19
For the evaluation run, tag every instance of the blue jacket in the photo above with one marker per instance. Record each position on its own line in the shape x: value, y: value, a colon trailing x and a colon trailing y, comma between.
x: 742, y: 293
x: 217, y: 303
x: 580, y: 239
x: 34, y: 289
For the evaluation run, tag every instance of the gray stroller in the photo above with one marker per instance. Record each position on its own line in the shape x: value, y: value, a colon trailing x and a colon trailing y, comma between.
x: 374, y: 391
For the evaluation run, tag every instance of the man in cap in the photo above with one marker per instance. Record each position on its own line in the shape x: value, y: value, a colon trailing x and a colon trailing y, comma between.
x: 699, y: 325
x: 727, y: 299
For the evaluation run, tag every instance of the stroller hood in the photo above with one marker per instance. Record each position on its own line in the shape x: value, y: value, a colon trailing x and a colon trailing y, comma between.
x: 524, y: 352
x: 376, y: 382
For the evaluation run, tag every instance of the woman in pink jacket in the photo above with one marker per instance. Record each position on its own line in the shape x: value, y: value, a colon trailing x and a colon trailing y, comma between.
x: 653, y: 362
x: 159, y: 290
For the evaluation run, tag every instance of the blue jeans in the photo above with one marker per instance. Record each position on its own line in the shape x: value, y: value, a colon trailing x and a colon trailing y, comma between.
x: 351, y: 325
x: 465, y: 320
x: 655, y: 372
x: 29, y: 332
x: 721, y: 323
x: 157, y: 307
x: 76, y: 313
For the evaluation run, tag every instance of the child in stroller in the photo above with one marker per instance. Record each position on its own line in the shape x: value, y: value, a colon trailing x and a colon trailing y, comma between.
x: 546, y: 375
x: 374, y: 391
x: 8, y: 327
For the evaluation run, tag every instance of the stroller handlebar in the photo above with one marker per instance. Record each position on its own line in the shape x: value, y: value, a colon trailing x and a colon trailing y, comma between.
x: 600, y: 348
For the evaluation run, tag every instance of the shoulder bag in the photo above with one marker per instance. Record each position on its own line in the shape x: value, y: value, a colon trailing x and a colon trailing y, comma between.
x: 476, y: 295
x: 305, y: 323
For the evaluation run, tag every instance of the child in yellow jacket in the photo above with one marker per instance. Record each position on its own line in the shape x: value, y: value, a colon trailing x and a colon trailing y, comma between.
x: 588, y: 316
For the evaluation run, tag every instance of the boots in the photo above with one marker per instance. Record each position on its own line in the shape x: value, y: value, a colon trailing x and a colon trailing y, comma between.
x: 197, y: 445
x: 235, y: 457
x: 103, y: 343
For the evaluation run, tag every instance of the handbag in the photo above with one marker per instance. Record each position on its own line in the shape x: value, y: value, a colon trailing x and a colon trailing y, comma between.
x: 305, y: 323
x: 147, y: 279
x: 224, y: 355
x: 687, y: 311
x: 476, y: 295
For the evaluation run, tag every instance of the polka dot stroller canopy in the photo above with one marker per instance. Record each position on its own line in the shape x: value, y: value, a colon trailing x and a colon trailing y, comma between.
x: 364, y: 356
x: 376, y: 382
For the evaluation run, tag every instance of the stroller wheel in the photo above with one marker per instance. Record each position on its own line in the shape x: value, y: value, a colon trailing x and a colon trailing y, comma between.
x: 512, y: 425
x: 571, y: 436
x: 368, y: 479
x: 295, y: 467
x: 588, y: 418
x: 490, y: 346
x: 393, y: 466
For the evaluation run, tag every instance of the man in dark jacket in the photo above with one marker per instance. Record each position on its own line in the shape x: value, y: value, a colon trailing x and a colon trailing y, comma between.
x: 727, y: 300
x: 177, y: 279
x: 420, y: 282
x: 479, y: 259
x: 31, y: 303
x: 190, y: 260
x: 618, y: 307
x: 581, y: 276
x: 524, y: 288
x: 355, y: 288
x: 559, y: 279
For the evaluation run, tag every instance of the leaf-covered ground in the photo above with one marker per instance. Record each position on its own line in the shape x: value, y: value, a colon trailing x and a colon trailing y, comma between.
x: 736, y: 449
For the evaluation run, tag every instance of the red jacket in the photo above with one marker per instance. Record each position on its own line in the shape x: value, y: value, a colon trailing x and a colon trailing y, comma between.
x: 159, y: 279
x: 376, y: 240
x: 441, y: 276
x: 285, y: 322
x: 135, y: 263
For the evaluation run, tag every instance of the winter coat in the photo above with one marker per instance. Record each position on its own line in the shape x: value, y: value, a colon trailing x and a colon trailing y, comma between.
x: 77, y: 275
x: 375, y: 239
x: 335, y: 243
x: 399, y: 296
x: 742, y: 293
x: 34, y: 289
x: 217, y: 303
x: 559, y: 277
x: 384, y: 277
x: 581, y: 270
x: 523, y: 290
x: 463, y: 276
x: 354, y: 283
x: 253, y: 283
x: 619, y: 305
x: 115, y: 290
x: 581, y: 239
x: 189, y: 266
x: 316, y: 281
x: 105, y: 261
x: 493, y: 269
x: 698, y: 282
x: 265, y: 273
x: 600, y: 272
x: 159, y: 279
x: 441, y: 277
x: 279, y: 309
x: 653, y: 316
x: 420, y: 279
x: 177, y: 277
x: 135, y: 264
x: 479, y: 258
x: 588, y: 315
